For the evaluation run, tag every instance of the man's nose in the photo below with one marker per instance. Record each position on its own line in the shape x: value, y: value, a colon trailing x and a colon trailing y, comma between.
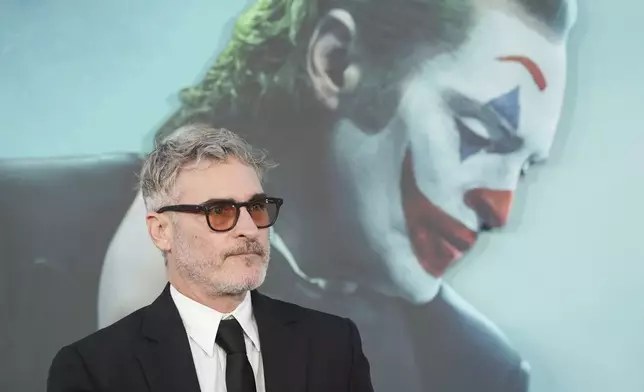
x: 491, y: 206
x: 246, y: 225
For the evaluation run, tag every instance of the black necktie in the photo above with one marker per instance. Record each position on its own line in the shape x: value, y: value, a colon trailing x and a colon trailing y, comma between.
x: 239, y: 373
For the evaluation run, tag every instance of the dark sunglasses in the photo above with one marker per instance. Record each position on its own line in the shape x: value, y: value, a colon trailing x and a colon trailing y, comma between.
x: 222, y: 215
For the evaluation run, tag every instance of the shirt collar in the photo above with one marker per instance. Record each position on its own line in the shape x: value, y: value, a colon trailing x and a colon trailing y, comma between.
x: 201, y: 322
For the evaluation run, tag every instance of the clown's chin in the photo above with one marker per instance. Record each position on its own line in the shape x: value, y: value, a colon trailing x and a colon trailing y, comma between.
x: 438, y: 239
x: 435, y: 254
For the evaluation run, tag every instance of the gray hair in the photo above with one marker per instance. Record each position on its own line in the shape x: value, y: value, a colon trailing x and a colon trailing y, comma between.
x: 189, y: 145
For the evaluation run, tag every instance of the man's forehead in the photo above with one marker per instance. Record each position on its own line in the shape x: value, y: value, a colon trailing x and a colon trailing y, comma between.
x: 218, y: 180
x: 192, y: 195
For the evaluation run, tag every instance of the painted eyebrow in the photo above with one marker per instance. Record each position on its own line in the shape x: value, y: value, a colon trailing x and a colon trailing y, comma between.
x: 531, y: 66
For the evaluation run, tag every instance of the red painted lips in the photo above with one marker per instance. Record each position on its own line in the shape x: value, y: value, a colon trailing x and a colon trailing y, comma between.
x: 438, y: 239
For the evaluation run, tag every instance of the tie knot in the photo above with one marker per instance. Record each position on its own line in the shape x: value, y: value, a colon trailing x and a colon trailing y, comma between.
x: 230, y: 337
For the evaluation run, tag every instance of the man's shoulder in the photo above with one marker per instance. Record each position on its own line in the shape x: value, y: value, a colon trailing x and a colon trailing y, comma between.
x: 92, y: 362
x: 312, y: 318
x: 115, y: 338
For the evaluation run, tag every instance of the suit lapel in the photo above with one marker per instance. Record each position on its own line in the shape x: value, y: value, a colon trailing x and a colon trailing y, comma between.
x: 164, y: 350
x: 284, y: 346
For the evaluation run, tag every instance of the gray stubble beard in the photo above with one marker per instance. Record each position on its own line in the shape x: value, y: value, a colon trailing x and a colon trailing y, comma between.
x: 199, y: 272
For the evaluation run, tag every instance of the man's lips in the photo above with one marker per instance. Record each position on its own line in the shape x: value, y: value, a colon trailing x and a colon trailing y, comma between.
x: 437, y: 238
x: 247, y: 248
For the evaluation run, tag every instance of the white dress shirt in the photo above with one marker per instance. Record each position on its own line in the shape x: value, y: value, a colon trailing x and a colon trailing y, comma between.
x: 201, y: 324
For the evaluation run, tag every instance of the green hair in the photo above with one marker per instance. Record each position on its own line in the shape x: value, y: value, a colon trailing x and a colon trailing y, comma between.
x: 262, y: 56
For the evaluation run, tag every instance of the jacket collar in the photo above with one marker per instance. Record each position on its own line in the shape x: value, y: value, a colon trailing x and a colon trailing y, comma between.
x: 167, y: 362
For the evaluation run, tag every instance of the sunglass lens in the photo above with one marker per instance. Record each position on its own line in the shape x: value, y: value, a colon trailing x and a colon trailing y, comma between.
x: 221, y: 216
x: 264, y: 213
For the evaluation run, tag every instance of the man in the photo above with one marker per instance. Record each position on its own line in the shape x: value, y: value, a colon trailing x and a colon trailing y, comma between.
x: 210, y: 329
x: 402, y: 128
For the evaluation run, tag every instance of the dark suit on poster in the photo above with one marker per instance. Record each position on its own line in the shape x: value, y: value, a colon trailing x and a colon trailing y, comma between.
x: 302, y: 350
x: 444, y: 345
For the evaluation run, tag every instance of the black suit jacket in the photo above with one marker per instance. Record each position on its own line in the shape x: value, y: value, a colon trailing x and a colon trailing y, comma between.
x: 302, y: 350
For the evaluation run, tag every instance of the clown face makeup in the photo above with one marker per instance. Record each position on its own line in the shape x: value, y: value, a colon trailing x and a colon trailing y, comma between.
x: 468, y: 124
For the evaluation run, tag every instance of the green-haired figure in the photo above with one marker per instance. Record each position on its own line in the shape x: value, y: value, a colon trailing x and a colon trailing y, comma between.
x: 401, y: 129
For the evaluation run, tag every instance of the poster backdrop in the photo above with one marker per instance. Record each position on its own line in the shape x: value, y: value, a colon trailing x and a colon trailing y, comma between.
x: 462, y: 178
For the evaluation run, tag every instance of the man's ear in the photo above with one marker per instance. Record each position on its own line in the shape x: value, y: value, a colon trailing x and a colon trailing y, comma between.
x: 328, y: 61
x: 160, y: 230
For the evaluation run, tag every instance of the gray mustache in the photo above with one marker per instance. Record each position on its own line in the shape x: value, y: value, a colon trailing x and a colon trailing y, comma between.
x: 247, y: 247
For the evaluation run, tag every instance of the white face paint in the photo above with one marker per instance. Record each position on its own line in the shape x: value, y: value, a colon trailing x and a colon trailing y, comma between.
x: 449, y: 161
